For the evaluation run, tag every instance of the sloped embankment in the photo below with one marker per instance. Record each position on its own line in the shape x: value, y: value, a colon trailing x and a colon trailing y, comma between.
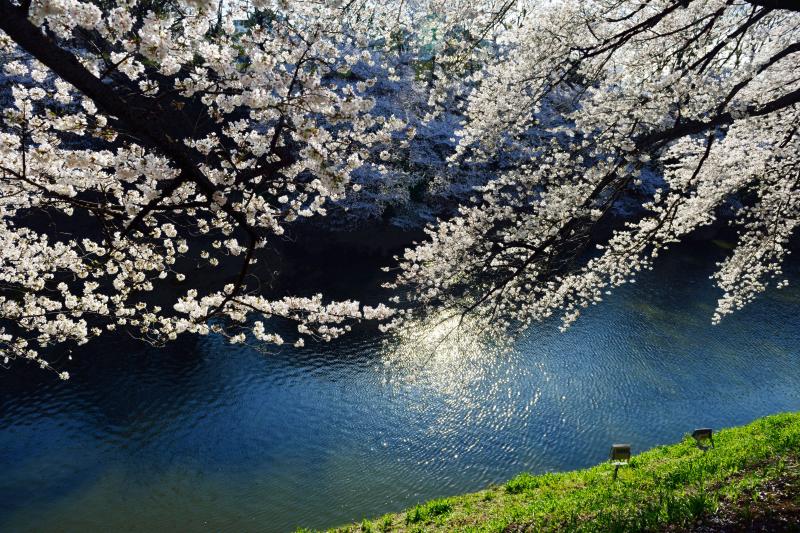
x: 750, y: 481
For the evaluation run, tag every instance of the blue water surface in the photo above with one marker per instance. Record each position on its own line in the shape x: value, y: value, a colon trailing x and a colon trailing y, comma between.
x: 202, y: 435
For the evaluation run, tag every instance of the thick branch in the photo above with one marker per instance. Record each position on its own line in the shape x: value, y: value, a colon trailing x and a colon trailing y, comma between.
x: 693, y: 127
x: 789, y: 5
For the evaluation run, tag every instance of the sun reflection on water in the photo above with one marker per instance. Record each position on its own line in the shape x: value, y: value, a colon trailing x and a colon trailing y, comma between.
x: 459, y: 378
x: 441, y: 352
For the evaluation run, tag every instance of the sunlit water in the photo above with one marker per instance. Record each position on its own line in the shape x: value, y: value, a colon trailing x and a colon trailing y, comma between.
x: 205, y: 436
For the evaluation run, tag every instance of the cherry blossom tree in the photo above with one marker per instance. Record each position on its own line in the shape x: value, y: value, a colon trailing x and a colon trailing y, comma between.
x: 703, y: 95
x: 140, y: 140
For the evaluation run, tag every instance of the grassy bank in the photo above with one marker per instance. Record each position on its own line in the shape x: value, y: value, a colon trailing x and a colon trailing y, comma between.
x: 751, y: 477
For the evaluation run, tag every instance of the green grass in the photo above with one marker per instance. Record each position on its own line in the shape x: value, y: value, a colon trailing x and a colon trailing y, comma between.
x: 669, y: 485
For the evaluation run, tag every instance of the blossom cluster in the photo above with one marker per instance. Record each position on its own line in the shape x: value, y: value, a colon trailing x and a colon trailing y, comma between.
x: 701, y: 98
x: 142, y: 146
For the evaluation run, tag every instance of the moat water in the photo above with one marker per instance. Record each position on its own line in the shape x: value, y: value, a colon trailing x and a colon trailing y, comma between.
x: 206, y: 436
